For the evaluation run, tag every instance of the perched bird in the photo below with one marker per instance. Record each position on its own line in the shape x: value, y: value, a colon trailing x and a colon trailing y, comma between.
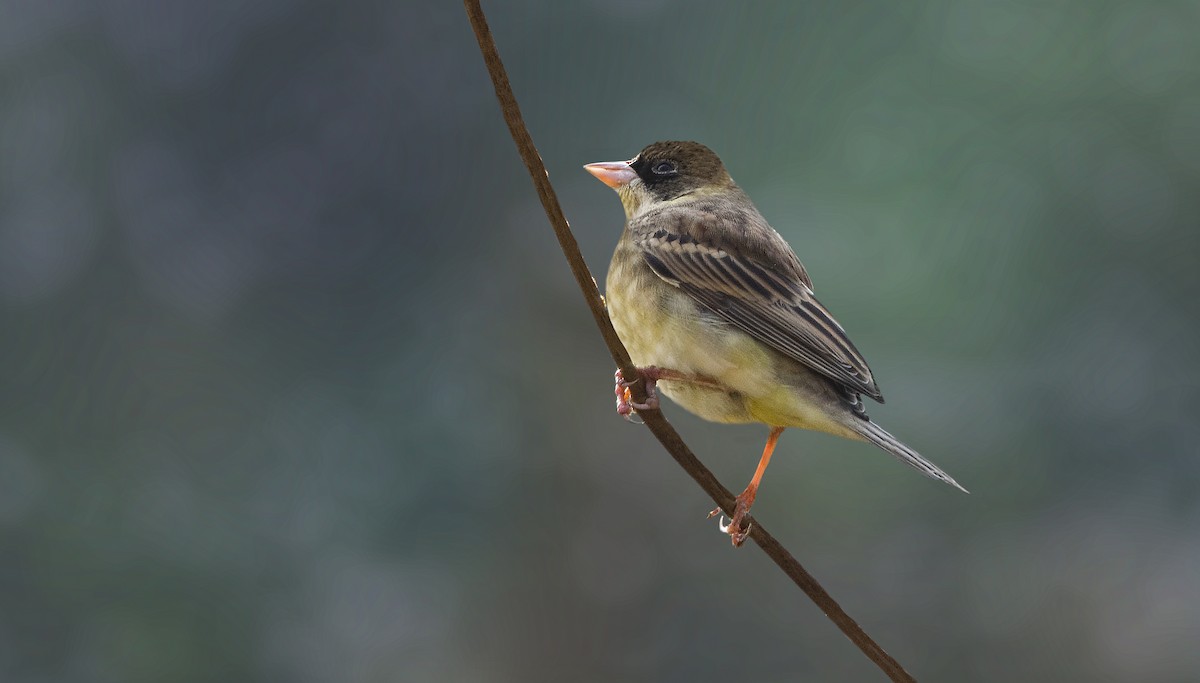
x: 717, y: 311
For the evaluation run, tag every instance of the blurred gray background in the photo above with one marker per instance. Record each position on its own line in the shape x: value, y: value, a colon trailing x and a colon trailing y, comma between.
x: 296, y: 386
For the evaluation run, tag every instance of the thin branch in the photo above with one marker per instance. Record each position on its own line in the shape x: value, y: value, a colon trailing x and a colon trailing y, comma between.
x: 654, y: 419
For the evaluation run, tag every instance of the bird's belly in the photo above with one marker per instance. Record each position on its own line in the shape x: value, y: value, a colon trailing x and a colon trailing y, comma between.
x: 665, y: 328
x: 714, y: 405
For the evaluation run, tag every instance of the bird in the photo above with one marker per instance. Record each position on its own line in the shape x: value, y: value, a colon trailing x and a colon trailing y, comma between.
x: 718, y: 313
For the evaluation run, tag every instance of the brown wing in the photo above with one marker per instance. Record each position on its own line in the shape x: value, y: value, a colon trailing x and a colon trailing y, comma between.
x: 758, y: 286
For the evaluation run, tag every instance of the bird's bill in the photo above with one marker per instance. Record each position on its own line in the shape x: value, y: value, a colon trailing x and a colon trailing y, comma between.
x: 615, y: 174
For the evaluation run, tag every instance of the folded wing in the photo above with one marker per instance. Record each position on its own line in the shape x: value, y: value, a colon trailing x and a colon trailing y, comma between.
x: 762, y: 290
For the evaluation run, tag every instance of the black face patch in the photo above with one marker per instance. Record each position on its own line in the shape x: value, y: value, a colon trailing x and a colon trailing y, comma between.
x: 672, y: 169
x: 655, y: 169
x: 665, y: 178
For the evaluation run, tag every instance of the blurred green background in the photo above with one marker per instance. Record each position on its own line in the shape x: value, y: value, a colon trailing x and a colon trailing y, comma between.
x: 296, y: 386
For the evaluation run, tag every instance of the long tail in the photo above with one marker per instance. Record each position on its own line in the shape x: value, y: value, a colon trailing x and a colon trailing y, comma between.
x: 880, y: 437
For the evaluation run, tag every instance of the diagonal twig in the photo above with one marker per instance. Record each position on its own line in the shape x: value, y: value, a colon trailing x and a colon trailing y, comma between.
x: 654, y: 419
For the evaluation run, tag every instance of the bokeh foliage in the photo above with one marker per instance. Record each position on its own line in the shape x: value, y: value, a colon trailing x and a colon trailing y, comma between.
x: 294, y: 384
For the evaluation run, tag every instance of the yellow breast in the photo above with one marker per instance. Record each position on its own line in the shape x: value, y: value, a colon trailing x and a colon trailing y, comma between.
x: 662, y: 326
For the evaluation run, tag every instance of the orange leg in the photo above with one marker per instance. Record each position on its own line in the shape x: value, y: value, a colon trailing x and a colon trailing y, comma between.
x: 745, y: 499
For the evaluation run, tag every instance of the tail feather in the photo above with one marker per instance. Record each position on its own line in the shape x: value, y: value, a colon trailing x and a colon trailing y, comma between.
x: 880, y: 437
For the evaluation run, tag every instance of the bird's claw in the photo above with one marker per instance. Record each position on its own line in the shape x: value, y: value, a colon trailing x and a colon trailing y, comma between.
x: 738, y: 528
x: 626, y: 406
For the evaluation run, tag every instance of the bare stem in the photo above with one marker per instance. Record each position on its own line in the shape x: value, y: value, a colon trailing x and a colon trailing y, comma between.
x: 654, y: 419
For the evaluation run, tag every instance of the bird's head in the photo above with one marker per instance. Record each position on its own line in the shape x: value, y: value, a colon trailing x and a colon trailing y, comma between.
x: 663, y: 172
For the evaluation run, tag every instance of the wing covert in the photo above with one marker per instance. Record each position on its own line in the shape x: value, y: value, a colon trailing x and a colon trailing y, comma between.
x: 751, y: 293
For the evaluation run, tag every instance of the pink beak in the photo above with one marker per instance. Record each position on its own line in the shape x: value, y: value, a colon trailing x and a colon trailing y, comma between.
x: 615, y: 174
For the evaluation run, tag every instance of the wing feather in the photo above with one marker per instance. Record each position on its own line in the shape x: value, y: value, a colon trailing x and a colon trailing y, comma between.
x: 773, y: 303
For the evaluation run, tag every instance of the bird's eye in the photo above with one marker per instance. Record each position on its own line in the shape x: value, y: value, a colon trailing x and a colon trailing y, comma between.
x: 664, y: 168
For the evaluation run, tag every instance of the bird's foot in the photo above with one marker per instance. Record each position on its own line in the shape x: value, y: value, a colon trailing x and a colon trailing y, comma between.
x: 626, y: 406
x: 651, y: 375
x: 738, y: 527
